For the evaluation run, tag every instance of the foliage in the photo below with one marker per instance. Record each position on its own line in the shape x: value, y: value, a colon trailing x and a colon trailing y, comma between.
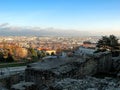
x: 100, y: 50
x: 47, y: 54
x: 52, y: 53
x: 108, y: 42
x: 32, y: 53
x: 42, y: 54
x: 5, y: 56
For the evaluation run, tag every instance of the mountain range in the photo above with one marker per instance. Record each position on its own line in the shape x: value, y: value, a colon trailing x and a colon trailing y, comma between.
x: 7, y: 30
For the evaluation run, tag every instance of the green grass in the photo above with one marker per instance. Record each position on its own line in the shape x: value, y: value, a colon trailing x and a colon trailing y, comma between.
x: 15, y: 64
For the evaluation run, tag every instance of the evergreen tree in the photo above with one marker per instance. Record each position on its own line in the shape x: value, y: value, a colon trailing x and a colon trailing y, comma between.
x: 108, y: 42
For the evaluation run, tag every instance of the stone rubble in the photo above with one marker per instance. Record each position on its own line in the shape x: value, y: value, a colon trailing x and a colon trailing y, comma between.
x: 87, y: 83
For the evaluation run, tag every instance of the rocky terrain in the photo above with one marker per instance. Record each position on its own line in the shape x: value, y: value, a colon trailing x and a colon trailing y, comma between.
x: 87, y: 83
x: 94, y: 72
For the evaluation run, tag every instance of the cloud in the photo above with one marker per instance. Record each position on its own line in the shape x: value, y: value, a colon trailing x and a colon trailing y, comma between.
x: 4, y: 25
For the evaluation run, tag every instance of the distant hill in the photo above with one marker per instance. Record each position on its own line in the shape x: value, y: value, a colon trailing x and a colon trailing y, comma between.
x: 41, y: 32
x: 6, y: 30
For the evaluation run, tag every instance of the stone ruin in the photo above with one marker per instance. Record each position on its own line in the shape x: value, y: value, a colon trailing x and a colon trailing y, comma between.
x: 62, y: 74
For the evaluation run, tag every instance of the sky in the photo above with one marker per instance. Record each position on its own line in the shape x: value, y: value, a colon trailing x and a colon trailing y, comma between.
x: 63, y: 14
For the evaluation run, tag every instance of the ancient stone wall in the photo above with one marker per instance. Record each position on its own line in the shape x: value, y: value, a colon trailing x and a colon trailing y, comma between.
x: 104, y: 63
x: 40, y: 74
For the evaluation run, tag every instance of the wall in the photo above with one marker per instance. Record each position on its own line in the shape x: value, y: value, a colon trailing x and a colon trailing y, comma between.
x: 76, y: 69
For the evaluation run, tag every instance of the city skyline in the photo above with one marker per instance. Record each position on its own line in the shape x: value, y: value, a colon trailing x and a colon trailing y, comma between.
x: 81, y: 15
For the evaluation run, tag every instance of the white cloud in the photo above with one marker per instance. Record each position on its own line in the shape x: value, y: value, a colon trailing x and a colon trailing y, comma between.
x: 4, y: 25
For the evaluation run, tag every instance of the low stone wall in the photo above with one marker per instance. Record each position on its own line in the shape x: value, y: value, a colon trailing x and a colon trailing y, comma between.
x: 39, y: 77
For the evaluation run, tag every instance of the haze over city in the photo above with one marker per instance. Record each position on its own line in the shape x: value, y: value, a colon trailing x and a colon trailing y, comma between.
x: 59, y: 17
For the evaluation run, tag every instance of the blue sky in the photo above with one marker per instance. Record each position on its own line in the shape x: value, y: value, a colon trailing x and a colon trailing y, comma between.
x: 64, y: 14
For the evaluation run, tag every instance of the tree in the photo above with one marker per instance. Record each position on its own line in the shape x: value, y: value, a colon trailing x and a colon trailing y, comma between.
x: 113, y: 41
x: 9, y: 58
x: 21, y: 53
x: 43, y: 54
x: 108, y: 42
x: 6, y: 56
x: 52, y: 54
x: 1, y: 56
x: 32, y: 53
x: 103, y: 42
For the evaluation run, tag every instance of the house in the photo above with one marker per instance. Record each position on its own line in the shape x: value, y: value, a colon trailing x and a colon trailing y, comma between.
x: 48, y: 51
x: 51, y: 52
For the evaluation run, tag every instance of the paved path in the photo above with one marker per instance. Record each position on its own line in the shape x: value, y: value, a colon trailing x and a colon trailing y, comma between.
x: 10, y: 70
